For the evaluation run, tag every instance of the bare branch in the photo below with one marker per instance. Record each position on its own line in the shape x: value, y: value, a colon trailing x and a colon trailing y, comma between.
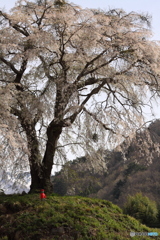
x: 98, y: 120
x: 9, y: 64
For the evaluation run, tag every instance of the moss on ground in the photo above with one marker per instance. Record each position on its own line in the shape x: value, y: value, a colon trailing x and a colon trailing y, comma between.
x: 27, y: 217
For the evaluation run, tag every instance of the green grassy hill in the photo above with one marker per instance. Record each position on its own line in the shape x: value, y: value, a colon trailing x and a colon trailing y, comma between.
x: 27, y: 217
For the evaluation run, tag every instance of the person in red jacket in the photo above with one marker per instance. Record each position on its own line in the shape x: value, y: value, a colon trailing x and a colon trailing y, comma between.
x: 42, y: 195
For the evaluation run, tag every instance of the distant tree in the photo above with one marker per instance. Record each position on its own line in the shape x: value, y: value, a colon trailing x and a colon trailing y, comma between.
x: 133, y: 167
x: 118, y: 188
x: 66, y: 72
x: 142, y: 208
x: 60, y: 186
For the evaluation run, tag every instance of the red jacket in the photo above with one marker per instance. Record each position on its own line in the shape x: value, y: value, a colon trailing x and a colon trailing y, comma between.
x: 42, y: 194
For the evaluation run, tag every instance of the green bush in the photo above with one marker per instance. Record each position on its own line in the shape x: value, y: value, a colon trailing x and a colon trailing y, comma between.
x: 60, y: 186
x: 158, y: 225
x: 143, y: 209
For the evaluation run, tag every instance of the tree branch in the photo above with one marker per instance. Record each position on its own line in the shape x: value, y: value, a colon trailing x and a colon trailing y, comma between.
x: 15, y: 26
x: 9, y: 64
x: 39, y: 20
x: 68, y: 121
x: 82, y: 73
x: 99, y: 121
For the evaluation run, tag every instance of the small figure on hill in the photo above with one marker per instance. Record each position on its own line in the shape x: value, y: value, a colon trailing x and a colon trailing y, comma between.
x: 42, y: 195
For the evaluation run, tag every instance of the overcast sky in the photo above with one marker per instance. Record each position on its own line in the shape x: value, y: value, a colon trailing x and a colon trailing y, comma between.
x: 152, y: 7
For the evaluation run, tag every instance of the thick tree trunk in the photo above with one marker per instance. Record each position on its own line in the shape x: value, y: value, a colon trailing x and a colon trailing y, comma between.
x: 53, y: 134
x: 35, y: 163
x: 36, y: 176
x: 34, y: 157
x: 41, y: 170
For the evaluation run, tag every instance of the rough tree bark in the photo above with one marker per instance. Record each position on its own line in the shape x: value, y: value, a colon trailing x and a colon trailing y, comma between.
x: 41, y: 170
x: 53, y: 133
x: 34, y: 156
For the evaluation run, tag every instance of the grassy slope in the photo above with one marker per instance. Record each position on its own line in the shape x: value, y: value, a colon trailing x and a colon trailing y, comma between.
x: 27, y: 217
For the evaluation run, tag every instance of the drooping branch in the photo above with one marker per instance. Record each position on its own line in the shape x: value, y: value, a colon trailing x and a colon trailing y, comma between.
x: 69, y: 120
x: 39, y: 20
x: 99, y: 66
x: 46, y: 68
x: 83, y: 72
x: 9, y: 64
x: 20, y: 29
x: 15, y: 26
x: 21, y: 71
x: 94, y: 116
x: 93, y: 80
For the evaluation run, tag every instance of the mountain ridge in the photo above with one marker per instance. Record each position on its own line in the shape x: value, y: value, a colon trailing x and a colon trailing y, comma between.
x: 135, y: 167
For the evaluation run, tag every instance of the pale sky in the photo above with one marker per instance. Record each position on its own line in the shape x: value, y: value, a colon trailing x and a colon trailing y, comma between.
x: 152, y: 7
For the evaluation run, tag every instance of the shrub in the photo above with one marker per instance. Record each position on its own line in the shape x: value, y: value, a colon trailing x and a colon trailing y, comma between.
x: 143, y: 209
x: 60, y: 186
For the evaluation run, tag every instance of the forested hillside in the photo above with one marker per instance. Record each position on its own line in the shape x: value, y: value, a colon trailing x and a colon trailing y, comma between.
x: 116, y: 174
